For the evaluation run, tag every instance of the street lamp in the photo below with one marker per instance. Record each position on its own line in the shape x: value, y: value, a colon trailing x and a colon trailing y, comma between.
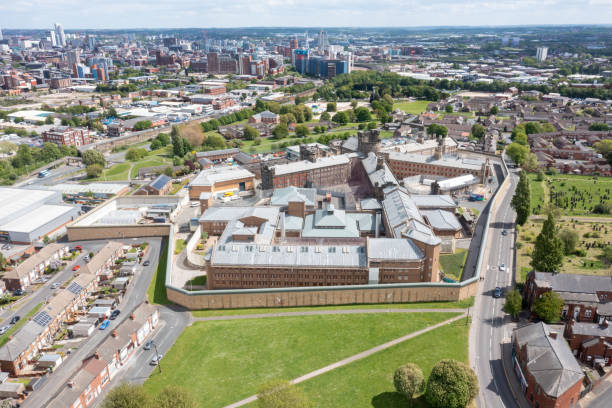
x: 157, y: 356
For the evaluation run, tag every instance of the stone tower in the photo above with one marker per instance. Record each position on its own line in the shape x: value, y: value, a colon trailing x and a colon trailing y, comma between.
x: 368, y: 141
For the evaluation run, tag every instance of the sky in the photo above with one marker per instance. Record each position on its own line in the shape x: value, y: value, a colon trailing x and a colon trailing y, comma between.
x: 111, y: 14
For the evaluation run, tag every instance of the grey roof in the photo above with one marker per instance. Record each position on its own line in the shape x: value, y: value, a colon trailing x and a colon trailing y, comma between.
x: 210, y: 153
x: 209, y: 177
x: 330, y: 218
x: 369, y: 163
x: 578, y: 297
x: 232, y: 213
x: 293, y: 223
x: 370, y: 204
x: 433, y: 201
x: 160, y: 182
x: 447, y: 161
x: 591, y: 329
x: 306, y: 165
x: 562, y: 282
x: 352, y: 144
x: 283, y: 196
x: 244, y: 158
x: 400, y: 207
x: 549, y: 360
x: 442, y: 220
x: 393, y: 249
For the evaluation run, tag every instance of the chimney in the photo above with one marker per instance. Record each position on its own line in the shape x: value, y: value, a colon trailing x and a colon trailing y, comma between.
x: 604, y: 324
x: 132, y: 317
x: 114, y: 333
x: 552, y: 334
x: 377, y: 225
x: 282, y: 220
x: 97, y: 355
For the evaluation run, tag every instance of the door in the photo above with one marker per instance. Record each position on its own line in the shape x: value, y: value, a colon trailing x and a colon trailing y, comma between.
x: 242, y: 186
x: 576, y: 313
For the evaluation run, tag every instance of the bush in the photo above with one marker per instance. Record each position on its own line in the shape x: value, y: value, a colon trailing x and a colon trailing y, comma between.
x: 94, y: 170
x: 409, y: 381
x: 135, y: 154
x: 451, y: 384
x: 581, y: 252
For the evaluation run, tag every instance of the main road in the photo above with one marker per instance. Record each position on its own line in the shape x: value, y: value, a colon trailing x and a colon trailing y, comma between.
x: 488, y: 328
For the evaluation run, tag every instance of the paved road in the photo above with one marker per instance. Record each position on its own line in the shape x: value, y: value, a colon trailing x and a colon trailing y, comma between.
x: 134, y: 296
x: 488, y: 328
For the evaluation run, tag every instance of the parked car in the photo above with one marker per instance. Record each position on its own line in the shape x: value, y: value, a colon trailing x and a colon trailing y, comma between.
x: 86, y: 258
x: 504, y: 232
x: 146, y: 263
x: 56, y: 285
x: 78, y: 248
x: 156, y: 359
x: 104, y: 324
x: 114, y: 314
x: 18, y: 292
x: 7, y: 246
x: 15, y: 319
x: 502, y: 267
x: 76, y: 267
x: 4, y: 329
x: 497, y: 292
x: 148, y: 345
x: 194, y: 204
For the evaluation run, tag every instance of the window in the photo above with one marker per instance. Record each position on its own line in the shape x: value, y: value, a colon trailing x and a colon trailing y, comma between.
x: 587, y: 313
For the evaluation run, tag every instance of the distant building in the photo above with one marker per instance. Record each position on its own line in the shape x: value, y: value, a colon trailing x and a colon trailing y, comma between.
x: 64, y: 135
x: 542, y: 53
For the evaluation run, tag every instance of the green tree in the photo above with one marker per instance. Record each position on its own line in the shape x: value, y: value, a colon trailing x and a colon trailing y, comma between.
x: 49, y: 120
x: 25, y: 154
x: 517, y: 152
x: 451, y: 384
x: 331, y: 107
x: 570, y: 240
x: 548, y: 306
x: 135, y: 153
x: 174, y: 396
x: 548, y: 249
x: 50, y: 152
x: 605, y: 149
x: 607, y: 254
x: 532, y: 127
x: 599, y: 127
x: 155, y: 144
x: 514, y: 303
x: 177, y: 144
x: 2, y: 262
x: 281, y: 394
x: 521, y: 201
x: 409, y: 381
x: 371, y: 125
x: 164, y: 138
x: 250, y: 133
x: 280, y: 131
x: 127, y: 396
x: 437, y: 130
x: 302, y: 130
x: 94, y: 170
x: 521, y: 138
x: 325, y: 117
x: 494, y: 110
x: 92, y: 156
x: 363, y: 114
x: 142, y: 125
x: 448, y: 108
x: 478, y: 131
x: 531, y: 163
x: 341, y: 118
x: 169, y: 171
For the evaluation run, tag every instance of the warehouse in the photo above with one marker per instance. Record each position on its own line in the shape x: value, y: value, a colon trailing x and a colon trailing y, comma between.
x: 222, y: 179
x: 28, y: 215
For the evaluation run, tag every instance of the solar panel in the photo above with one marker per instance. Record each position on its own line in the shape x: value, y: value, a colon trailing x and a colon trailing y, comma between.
x: 42, y: 318
x: 75, y: 288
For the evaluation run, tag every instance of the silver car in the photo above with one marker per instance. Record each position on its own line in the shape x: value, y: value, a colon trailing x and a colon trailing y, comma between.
x: 4, y: 329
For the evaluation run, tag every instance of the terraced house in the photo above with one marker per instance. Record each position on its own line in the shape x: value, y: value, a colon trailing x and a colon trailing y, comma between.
x: 34, y: 267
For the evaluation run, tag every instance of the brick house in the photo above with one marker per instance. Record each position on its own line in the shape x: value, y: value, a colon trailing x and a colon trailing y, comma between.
x: 161, y: 185
x: 586, y: 296
x: 101, y: 265
x: 63, y: 135
x: 33, y: 268
x: 591, y: 343
x: 545, y: 366
x: 265, y: 117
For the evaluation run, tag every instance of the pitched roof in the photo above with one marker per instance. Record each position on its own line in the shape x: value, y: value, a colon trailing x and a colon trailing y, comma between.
x: 562, y: 282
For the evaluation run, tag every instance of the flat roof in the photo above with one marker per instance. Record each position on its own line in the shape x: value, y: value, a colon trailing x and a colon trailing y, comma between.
x: 210, y: 177
x: 96, y: 188
x: 13, y: 200
x: 306, y: 165
x: 33, y: 220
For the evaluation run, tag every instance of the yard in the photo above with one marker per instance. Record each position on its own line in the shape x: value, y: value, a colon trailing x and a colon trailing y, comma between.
x: 452, y: 264
x: 575, y: 195
x: 415, y: 108
x: 156, y: 293
x: 221, y: 362
x: 592, y: 233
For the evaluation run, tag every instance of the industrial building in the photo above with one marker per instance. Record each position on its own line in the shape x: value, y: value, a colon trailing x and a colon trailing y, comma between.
x: 220, y: 180
x: 28, y: 215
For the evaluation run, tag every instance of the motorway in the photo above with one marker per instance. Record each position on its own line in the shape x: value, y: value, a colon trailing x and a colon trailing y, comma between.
x: 135, y: 295
x: 488, y: 319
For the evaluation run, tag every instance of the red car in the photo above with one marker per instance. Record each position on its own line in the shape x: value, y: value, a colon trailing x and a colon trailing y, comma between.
x: 76, y: 267
x: 78, y: 248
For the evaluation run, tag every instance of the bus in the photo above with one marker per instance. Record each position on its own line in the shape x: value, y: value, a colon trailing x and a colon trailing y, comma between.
x: 43, y: 173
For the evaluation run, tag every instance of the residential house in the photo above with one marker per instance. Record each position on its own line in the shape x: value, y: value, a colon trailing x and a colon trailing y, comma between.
x: 102, y: 263
x: 33, y: 268
x: 590, y: 342
x: 161, y: 185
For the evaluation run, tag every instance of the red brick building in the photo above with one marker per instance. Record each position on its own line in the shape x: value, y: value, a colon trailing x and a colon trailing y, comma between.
x: 64, y: 135
x: 545, y: 367
x: 591, y: 343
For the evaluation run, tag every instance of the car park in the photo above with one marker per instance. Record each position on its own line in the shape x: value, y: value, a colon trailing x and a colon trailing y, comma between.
x: 15, y: 319
x: 114, y: 314
x: 497, y: 292
x: 104, y: 324
x: 4, y: 329
x: 156, y: 359
x: 148, y: 345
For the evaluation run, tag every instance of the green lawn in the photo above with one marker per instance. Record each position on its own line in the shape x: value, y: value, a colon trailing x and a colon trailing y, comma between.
x: 149, y: 161
x: 6, y: 336
x: 415, y: 108
x: 369, y: 382
x: 416, y: 305
x: 179, y: 245
x: 452, y: 264
x: 117, y: 172
x: 156, y: 292
x: 221, y: 362
x: 197, y: 281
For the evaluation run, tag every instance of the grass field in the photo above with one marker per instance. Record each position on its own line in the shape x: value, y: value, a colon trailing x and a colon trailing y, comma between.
x: 221, y: 362
x: 588, y: 232
x: 156, y: 293
x: 117, y: 172
x: 149, y: 161
x: 575, y: 195
x: 452, y: 264
x: 416, y: 305
x: 369, y: 382
x: 6, y: 336
x: 415, y: 108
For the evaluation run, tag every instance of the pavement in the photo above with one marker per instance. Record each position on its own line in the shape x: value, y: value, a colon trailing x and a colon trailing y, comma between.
x: 135, y: 295
x: 488, y: 322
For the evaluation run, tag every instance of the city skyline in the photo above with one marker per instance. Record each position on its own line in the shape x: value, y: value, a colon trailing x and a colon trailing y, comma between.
x: 115, y: 14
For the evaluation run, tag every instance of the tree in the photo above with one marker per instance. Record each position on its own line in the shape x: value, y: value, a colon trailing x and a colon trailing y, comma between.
x: 49, y: 120
x: 280, y: 131
x: 94, y: 170
x: 570, y: 240
x: 250, y: 133
x: 437, y: 130
x: 363, y: 114
x: 155, y: 144
x: 548, y: 248
x: 142, y: 125
x: 448, y: 108
x: 408, y: 380
x: 50, y: 152
x: 163, y: 138
x: 302, y: 130
x: 532, y: 127
x: 127, y: 396
x: 494, y: 110
x: 174, y: 396
x: 281, y: 394
x: 341, y: 118
x: 548, y: 306
x: 92, y: 156
x: 371, y: 125
x: 521, y: 137
x: 135, y: 153
x: 517, y: 152
x: 599, y: 127
x: 607, y: 254
x: 325, y: 117
x: 331, y: 107
x: 169, y: 171
x: 478, y: 131
x: 25, y: 154
x: 451, y: 384
x: 531, y: 163
x: 2, y: 262
x: 514, y: 303
x: 521, y: 201
x: 177, y: 143
x: 605, y: 148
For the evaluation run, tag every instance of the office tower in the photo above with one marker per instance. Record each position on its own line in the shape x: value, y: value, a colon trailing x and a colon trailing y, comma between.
x: 52, y: 39
x: 59, y: 34
x: 293, y: 43
x: 1, y: 38
x: 91, y: 41
x: 542, y: 53
x: 323, y: 40
x: 213, y: 62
